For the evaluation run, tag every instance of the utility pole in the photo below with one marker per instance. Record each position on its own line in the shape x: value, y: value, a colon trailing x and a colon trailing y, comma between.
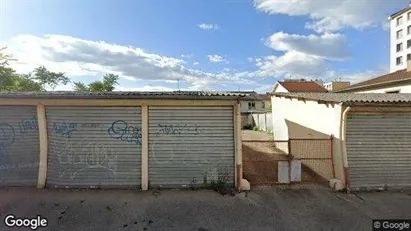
x: 178, y: 84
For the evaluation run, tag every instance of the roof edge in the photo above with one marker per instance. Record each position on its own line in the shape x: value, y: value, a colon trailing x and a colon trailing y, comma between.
x: 396, y: 14
x: 303, y: 98
x: 372, y: 85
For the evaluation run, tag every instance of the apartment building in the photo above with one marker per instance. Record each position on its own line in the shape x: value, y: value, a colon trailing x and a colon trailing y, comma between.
x: 400, y: 39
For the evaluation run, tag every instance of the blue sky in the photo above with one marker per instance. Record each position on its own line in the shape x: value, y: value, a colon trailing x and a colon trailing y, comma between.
x: 205, y: 45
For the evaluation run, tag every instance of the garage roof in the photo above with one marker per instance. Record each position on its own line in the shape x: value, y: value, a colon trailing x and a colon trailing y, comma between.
x: 351, y: 98
x: 391, y: 78
x: 193, y: 95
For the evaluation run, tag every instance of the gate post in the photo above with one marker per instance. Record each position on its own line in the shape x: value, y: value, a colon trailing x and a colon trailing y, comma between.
x: 332, y: 154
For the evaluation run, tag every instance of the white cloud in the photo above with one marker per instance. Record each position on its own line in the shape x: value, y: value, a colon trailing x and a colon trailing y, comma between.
x: 186, y: 56
x: 79, y: 57
x: 206, y: 26
x: 216, y: 58
x: 356, y: 77
x: 304, y: 55
x: 250, y: 59
x: 328, y: 46
x: 333, y: 15
x: 196, y: 63
x: 292, y: 64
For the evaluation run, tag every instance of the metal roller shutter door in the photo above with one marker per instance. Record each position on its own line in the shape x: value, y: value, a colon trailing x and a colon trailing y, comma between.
x: 19, y: 146
x: 190, y: 146
x: 379, y: 150
x: 94, y: 147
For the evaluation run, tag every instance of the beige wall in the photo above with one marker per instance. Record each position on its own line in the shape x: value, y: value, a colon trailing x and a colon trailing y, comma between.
x: 334, y: 86
x: 403, y: 88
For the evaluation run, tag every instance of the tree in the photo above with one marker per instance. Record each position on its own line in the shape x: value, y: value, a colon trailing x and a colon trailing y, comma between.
x: 12, y: 81
x: 106, y: 85
x: 7, y: 74
x: 46, y: 77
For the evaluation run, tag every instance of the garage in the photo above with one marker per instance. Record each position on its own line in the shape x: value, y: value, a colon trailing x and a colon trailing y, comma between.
x: 94, y: 147
x: 379, y: 150
x: 191, y: 146
x: 19, y: 146
x: 134, y: 140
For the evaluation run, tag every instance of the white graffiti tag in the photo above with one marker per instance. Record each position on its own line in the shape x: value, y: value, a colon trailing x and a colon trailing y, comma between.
x: 80, y: 156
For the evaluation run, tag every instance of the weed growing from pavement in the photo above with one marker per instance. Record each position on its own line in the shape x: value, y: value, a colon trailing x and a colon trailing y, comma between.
x: 221, y: 185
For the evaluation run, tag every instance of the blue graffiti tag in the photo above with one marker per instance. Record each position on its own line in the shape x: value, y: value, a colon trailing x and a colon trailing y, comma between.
x: 29, y: 125
x: 64, y: 129
x: 7, y: 134
x: 121, y: 130
x: 7, y: 137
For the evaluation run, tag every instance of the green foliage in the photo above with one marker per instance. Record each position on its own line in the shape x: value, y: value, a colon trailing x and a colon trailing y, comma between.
x: 13, y: 82
x: 255, y: 128
x: 221, y: 183
x: 107, y: 85
x: 79, y: 86
x: 46, y: 77
x: 248, y: 127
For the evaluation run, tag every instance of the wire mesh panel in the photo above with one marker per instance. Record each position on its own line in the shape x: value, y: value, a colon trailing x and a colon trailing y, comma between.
x: 260, y: 161
x: 316, y: 158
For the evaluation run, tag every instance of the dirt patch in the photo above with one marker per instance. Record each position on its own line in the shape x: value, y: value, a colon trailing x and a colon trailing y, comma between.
x: 254, y: 135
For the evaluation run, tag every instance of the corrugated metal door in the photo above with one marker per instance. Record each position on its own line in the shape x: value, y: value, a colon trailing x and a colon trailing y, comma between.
x: 19, y: 146
x: 94, y: 147
x: 379, y: 150
x: 190, y: 146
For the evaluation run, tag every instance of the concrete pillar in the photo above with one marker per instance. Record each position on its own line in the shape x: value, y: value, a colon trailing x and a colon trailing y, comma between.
x: 144, y: 147
x: 42, y: 124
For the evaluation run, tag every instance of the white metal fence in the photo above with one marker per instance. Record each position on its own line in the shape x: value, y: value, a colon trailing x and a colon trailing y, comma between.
x: 263, y: 120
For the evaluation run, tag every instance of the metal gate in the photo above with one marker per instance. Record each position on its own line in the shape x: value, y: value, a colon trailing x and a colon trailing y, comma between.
x: 191, y: 146
x: 94, y: 147
x: 379, y: 150
x: 19, y: 146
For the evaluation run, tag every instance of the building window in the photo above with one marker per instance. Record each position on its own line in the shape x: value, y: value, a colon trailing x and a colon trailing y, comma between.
x: 409, y: 16
x: 251, y: 105
x: 399, y: 34
x: 399, y: 60
x: 409, y: 43
x: 399, y: 21
x: 399, y: 47
x: 393, y: 92
x: 408, y: 57
x: 263, y: 105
